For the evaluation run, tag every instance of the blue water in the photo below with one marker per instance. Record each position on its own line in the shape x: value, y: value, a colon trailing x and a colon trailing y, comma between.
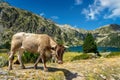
x: 100, y: 49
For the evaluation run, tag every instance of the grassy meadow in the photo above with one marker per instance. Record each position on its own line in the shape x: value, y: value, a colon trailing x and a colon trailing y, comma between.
x: 76, y: 66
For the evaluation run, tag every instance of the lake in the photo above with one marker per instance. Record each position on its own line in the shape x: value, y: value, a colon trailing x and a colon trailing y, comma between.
x: 100, y: 49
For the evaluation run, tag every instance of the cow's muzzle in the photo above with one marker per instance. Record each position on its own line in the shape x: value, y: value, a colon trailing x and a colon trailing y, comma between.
x: 60, y: 62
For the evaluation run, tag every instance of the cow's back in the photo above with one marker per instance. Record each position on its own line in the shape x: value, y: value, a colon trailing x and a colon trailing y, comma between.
x: 31, y: 42
x: 36, y: 42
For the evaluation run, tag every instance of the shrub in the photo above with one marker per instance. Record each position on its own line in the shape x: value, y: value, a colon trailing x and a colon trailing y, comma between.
x: 29, y: 57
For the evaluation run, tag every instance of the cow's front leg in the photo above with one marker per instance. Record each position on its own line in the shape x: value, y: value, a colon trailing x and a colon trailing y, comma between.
x: 44, y: 62
x: 35, y: 65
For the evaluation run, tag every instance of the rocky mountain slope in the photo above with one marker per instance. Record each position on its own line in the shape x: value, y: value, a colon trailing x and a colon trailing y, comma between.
x: 108, y: 35
x: 13, y: 20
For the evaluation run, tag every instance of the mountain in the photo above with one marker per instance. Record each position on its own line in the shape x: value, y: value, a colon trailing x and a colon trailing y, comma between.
x: 72, y: 34
x: 108, y: 35
x: 111, y: 28
x: 13, y: 20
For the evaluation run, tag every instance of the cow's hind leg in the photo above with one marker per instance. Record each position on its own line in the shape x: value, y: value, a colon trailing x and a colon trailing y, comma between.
x: 11, y: 58
x: 20, y: 59
x: 42, y: 56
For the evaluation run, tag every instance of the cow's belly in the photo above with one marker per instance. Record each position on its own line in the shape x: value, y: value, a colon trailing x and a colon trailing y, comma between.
x: 30, y: 46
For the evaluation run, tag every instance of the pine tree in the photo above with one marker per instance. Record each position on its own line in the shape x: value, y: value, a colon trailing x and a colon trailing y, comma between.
x: 89, y: 44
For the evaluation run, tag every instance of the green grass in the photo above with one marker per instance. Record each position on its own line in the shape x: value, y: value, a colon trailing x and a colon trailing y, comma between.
x: 107, y: 73
x: 92, y: 69
x: 83, y: 56
x: 68, y: 56
x: 113, y: 54
x: 72, y: 56
x: 3, y: 59
x: 4, y: 50
x: 5, y: 55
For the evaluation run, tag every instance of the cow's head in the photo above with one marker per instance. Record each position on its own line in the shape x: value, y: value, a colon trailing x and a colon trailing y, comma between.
x: 60, y: 49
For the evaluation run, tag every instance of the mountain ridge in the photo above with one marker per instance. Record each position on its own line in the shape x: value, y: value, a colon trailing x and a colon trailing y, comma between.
x: 13, y: 20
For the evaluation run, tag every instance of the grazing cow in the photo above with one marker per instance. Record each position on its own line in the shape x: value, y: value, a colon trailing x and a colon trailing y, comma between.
x: 35, y: 43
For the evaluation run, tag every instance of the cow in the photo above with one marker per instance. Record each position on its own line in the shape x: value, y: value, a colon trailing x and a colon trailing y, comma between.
x: 36, y: 43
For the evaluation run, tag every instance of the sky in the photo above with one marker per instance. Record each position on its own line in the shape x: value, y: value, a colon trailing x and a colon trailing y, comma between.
x: 85, y: 14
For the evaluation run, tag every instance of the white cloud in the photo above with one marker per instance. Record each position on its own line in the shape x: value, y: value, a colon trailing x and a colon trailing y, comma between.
x: 54, y: 17
x: 85, y: 12
x: 42, y: 14
x: 99, y: 6
x: 78, y: 2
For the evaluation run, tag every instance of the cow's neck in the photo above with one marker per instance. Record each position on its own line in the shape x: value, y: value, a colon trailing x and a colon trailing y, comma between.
x: 53, y: 43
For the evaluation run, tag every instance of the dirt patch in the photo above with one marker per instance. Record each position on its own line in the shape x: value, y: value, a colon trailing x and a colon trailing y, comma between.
x: 92, y: 69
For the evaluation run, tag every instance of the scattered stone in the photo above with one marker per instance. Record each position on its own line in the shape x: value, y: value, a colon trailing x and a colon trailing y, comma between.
x: 2, y: 72
x: 102, y: 76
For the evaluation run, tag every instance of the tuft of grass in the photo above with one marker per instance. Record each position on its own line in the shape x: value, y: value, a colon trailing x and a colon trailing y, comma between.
x: 72, y: 56
x: 4, y: 50
x: 68, y: 56
x: 3, y: 59
x: 59, y: 75
x: 5, y: 55
x: 107, y: 74
x: 83, y: 56
x: 113, y: 54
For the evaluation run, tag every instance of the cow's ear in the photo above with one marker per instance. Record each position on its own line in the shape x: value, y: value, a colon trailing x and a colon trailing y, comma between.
x: 64, y: 49
x: 54, y: 48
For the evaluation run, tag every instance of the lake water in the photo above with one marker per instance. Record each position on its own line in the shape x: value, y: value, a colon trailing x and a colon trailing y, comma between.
x: 100, y: 49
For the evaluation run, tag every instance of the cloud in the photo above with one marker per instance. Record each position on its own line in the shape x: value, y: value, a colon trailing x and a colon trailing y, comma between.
x: 78, y: 2
x: 42, y: 14
x: 54, y: 17
x: 106, y: 8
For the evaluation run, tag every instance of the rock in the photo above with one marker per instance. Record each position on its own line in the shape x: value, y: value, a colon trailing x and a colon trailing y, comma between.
x: 102, y: 76
x: 2, y: 72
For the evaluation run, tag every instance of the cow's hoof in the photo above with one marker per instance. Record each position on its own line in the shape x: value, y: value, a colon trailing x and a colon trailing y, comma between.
x: 45, y: 70
x: 22, y: 67
x: 35, y: 67
x: 9, y: 69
